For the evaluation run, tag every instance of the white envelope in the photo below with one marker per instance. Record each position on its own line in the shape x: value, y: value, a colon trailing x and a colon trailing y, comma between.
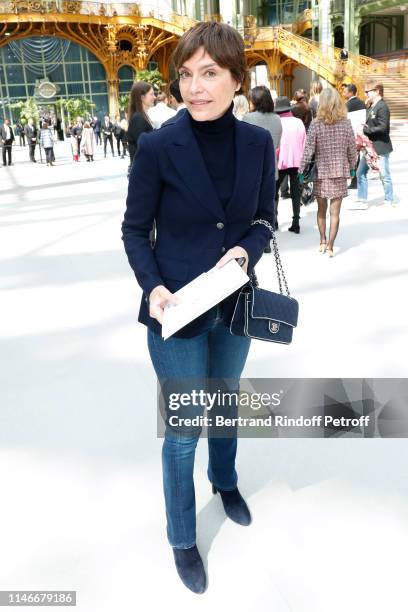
x: 201, y: 294
x: 358, y: 119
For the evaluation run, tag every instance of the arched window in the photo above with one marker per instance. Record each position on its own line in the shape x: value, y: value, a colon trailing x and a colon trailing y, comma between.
x: 74, y: 70
x: 126, y: 76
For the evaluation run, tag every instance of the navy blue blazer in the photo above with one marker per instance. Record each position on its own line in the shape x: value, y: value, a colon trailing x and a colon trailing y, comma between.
x: 169, y: 183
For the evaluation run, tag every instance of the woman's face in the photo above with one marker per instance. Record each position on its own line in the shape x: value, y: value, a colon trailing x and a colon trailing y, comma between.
x: 148, y: 98
x: 206, y: 88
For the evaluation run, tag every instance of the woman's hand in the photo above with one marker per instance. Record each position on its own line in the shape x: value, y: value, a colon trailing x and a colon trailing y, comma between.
x: 234, y: 253
x: 158, y: 299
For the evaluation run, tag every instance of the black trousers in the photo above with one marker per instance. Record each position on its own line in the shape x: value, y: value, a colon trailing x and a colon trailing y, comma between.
x: 22, y: 139
x: 105, y: 143
x: 31, y: 148
x: 284, y: 188
x: 98, y: 138
x: 118, y: 140
x: 295, y: 192
x: 7, y: 151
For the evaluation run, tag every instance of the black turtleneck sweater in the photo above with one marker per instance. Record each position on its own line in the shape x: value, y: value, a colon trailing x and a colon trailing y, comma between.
x: 216, y: 140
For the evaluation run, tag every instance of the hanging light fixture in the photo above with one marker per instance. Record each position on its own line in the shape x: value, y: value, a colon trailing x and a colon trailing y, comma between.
x: 39, y: 50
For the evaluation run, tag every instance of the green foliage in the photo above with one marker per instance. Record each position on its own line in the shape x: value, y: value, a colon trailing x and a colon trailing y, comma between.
x: 23, y: 111
x: 123, y: 102
x: 77, y: 107
x: 151, y: 76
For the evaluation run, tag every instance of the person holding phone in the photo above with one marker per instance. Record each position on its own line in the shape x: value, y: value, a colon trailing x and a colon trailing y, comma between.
x: 204, y: 178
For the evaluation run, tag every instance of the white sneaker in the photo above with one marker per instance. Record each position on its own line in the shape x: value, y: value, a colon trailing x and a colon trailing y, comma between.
x: 358, y: 205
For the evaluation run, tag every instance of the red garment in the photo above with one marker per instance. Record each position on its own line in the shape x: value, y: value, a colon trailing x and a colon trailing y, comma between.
x: 365, y: 145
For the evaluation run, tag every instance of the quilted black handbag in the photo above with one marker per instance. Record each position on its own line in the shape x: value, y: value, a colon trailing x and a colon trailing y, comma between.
x: 310, y: 171
x: 262, y: 314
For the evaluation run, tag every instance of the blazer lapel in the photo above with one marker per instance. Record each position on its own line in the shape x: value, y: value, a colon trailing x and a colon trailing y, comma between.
x: 186, y: 157
x: 248, y: 160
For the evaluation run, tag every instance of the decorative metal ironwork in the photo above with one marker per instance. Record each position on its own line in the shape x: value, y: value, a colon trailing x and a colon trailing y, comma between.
x: 154, y: 32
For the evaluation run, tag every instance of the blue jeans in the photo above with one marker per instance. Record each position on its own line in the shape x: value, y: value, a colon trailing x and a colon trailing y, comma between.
x: 214, y: 354
x: 362, y: 183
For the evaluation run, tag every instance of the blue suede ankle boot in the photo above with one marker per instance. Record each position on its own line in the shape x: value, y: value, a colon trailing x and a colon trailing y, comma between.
x: 234, y: 505
x: 190, y: 568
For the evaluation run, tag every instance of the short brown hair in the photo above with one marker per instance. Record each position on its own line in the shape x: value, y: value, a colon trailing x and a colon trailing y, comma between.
x: 222, y: 42
x: 373, y: 84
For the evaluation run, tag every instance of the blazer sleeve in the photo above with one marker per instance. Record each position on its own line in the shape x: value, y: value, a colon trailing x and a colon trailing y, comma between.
x: 310, y: 147
x: 142, y: 202
x: 382, y: 121
x: 258, y: 236
x: 351, y: 145
x: 137, y: 126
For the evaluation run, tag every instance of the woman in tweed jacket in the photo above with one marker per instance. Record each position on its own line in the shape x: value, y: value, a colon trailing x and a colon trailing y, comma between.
x: 331, y: 141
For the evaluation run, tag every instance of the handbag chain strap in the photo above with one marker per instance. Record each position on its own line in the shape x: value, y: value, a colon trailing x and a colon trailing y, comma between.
x: 279, y: 268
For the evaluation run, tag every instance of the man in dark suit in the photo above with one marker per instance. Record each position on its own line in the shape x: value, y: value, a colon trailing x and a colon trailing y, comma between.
x: 31, y: 132
x: 353, y: 103
x: 377, y: 128
x: 96, y: 126
x: 344, y: 55
x: 107, y: 131
x: 7, y: 138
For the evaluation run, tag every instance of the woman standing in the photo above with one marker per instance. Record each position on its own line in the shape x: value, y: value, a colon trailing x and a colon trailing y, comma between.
x: 331, y: 140
x: 315, y: 91
x: 88, y: 142
x: 300, y: 108
x: 290, y: 153
x: 47, y: 143
x: 262, y: 115
x: 208, y: 180
x: 241, y: 106
x: 141, y: 99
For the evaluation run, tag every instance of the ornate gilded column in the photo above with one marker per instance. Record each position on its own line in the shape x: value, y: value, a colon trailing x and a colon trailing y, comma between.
x: 113, y: 96
x: 112, y: 72
x: 142, y: 54
x: 287, y: 85
x: 288, y: 79
x: 273, y: 62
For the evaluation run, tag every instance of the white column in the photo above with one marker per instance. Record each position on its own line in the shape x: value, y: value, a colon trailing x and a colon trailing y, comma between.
x: 227, y: 11
x: 324, y: 23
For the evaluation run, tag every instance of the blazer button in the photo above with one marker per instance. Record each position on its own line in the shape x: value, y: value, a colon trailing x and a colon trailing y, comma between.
x: 220, y: 226
x: 223, y: 249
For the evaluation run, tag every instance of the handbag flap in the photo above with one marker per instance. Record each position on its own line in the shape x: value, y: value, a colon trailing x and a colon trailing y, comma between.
x: 274, y: 306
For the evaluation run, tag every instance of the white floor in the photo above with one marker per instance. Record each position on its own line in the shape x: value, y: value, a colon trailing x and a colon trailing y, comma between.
x: 81, y: 504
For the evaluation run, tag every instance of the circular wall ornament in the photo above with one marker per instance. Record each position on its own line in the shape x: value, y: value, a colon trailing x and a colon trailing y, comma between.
x: 46, y: 89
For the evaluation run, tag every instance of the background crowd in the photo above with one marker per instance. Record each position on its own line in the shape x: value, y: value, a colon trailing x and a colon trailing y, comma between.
x: 320, y: 154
